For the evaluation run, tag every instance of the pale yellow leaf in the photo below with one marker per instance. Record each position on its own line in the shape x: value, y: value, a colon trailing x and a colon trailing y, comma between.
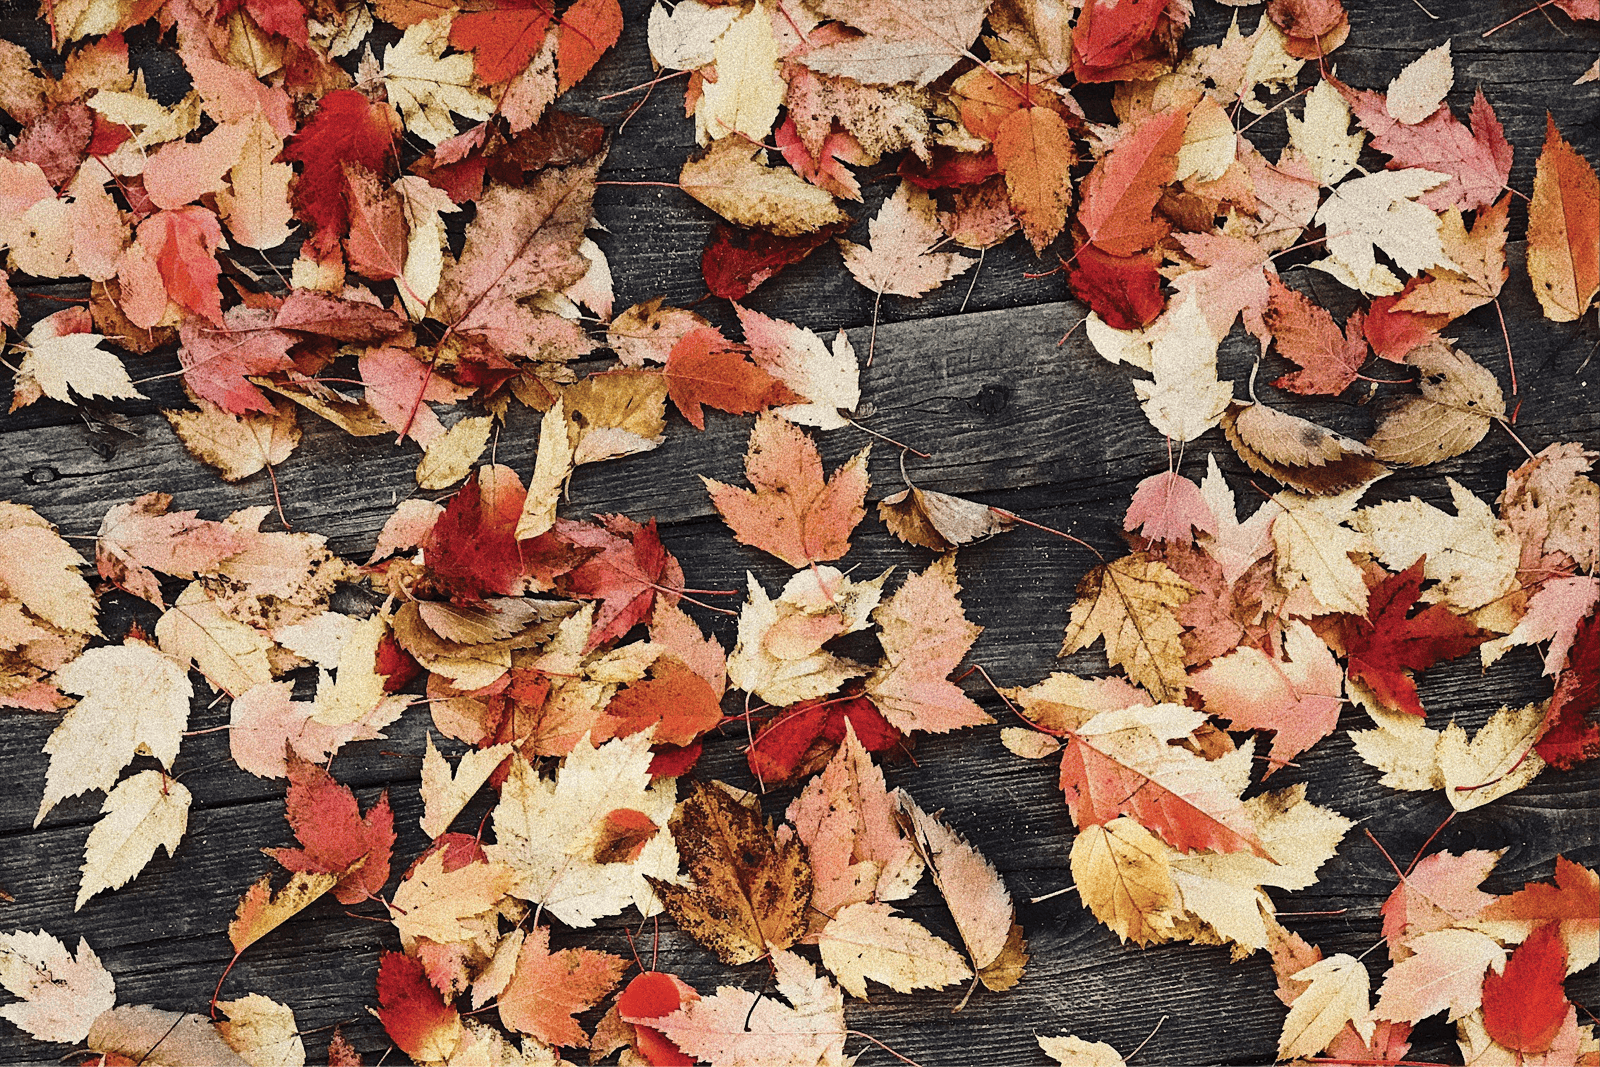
x: 870, y: 940
x: 135, y: 701
x: 1322, y: 136
x: 1445, y: 970
x: 779, y: 655
x: 449, y: 906
x: 552, y: 465
x: 731, y: 178
x: 1471, y: 555
x: 1459, y: 399
x: 262, y: 1031
x: 231, y: 656
x: 444, y: 794
x: 1380, y: 212
x: 684, y: 36
x: 1499, y: 759
x: 237, y: 445
x: 1124, y: 879
x: 449, y: 457
x: 427, y: 86
x: 1314, y: 547
x: 1130, y: 603
x: 1071, y: 1051
x: 58, y: 364
x: 1339, y: 993
x: 1420, y: 87
x: 141, y: 813
x: 40, y: 569
x: 256, y: 203
x: 744, y: 99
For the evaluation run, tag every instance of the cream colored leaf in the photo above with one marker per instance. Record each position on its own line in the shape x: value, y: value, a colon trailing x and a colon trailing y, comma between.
x: 1420, y: 87
x: 40, y: 569
x: 135, y: 700
x: 1471, y: 555
x: 903, y: 40
x: 684, y: 36
x: 1314, y: 548
x: 141, y: 813
x: 1118, y: 346
x: 870, y: 940
x: 1029, y: 744
x: 1446, y: 970
x: 427, y: 86
x: 61, y: 995
x: 1185, y: 399
x: 897, y: 259
x: 1322, y: 136
x: 547, y: 831
x: 262, y: 1031
x: 972, y: 889
x: 829, y: 379
x: 449, y: 458
x: 1125, y: 880
x: 1380, y: 212
x: 1339, y: 993
x: 444, y: 794
x: 1499, y: 759
x: 356, y: 691
x: 552, y: 465
x: 1071, y: 1051
x: 1460, y: 399
x: 744, y: 98
x: 1402, y: 747
x: 1130, y: 602
x: 422, y: 204
x: 779, y: 655
x: 58, y: 364
x: 732, y: 178
x: 1208, y: 143
x: 231, y: 656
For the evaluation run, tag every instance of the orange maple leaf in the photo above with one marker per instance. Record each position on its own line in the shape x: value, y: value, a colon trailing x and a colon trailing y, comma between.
x: 793, y: 513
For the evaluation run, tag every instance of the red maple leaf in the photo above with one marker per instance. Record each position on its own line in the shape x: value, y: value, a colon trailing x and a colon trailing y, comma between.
x: 1569, y: 737
x: 652, y: 995
x: 704, y: 367
x: 328, y: 823
x: 184, y: 242
x: 347, y: 128
x: 629, y: 567
x: 737, y: 260
x: 472, y: 549
x: 1385, y: 646
x: 413, y: 1013
x: 1478, y: 161
x: 217, y: 363
x: 1524, y: 1005
x: 1125, y: 291
x: 804, y: 736
x: 1112, y: 35
x: 1120, y: 193
x: 1393, y: 333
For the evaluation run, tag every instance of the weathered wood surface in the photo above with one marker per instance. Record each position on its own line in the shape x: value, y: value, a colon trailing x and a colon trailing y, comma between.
x: 1014, y: 419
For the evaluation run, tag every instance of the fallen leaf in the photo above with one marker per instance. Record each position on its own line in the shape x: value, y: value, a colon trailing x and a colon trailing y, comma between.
x: 262, y: 1031
x: 793, y: 513
x: 134, y: 700
x: 62, y: 357
x: 138, y: 1033
x: 1130, y: 603
x: 446, y: 793
x: 732, y: 178
x: 1306, y: 333
x: 903, y: 41
x: 869, y: 940
x: 61, y: 994
x: 1125, y: 880
x: 925, y: 636
x: 549, y: 988
x: 142, y: 812
x: 1381, y: 212
x: 1297, y: 696
x: 1300, y: 454
x: 1564, y: 230
x: 705, y: 368
x: 1459, y: 399
x: 897, y: 260
x: 140, y: 538
x: 420, y: 1022
x: 1070, y: 1050
x: 262, y: 911
x: 1120, y: 193
x: 938, y: 520
x: 1338, y: 994
x: 1524, y: 1005
x: 1420, y: 87
x: 333, y: 834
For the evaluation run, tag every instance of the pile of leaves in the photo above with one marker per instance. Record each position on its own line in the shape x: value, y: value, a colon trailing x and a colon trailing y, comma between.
x: 558, y: 652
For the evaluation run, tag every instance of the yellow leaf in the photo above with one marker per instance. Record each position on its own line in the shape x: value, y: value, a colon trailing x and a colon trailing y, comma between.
x: 1420, y: 87
x: 262, y: 911
x: 59, y: 360
x: 237, y: 445
x: 262, y: 1031
x: 1322, y: 136
x: 40, y: 569
x: 444, y: 794
x: 732, y: 179
x: 61, y: 996
x: 1124, y: 879
x: 1130, y: 603
x: 231, y: 656
x: 1499, y: 759
x: 141, y: 813
x: 450, y: 906
x: 427, y: 86
x: 744, y: 98
x: 1314, y: 548
x: 1339, y: 993
x: 450, y: 456
x: 869, y: 940
x: 1460, y: 398
x: 1071, y: 1051
x: 1471, y: 555
x: 551, y: 466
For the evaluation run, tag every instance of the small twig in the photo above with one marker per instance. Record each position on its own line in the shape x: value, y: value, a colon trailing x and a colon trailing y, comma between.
x: 1510, y: 362
x: 886, y: 1048
x: 1041, y: 898
x: 1146, y: 1041
x: 885, y: 437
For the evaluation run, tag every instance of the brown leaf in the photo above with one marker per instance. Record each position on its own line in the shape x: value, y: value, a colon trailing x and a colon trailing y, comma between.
x: 938, y: 520
x: 1300, y: 454
x: 1460, y: 398
x: 749, y: 892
